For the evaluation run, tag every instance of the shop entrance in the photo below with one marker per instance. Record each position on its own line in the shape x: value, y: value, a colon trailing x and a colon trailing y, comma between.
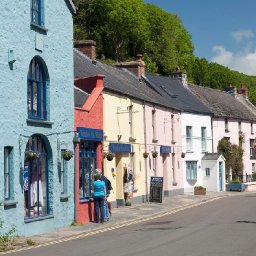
x: 119, y: 180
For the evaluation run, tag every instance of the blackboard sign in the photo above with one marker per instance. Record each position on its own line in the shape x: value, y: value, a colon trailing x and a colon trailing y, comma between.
x: 156, y: 189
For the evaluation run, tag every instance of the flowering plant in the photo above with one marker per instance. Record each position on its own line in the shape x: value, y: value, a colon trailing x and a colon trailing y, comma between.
x: 67, y: 154
x: 30, y: 155
x: 154, y: 154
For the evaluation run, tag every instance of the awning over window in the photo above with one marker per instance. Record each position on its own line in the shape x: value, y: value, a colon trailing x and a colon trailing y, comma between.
x: 120, y: 148
x: 165, y: 149
x: 90, y: 134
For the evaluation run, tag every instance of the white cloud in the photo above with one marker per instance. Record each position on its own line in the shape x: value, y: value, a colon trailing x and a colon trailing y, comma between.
x: 244, y: 62
x: 243, y: 34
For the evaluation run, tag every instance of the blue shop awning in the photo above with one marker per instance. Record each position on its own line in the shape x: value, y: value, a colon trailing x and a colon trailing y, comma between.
x: 120, y: 148
x: 90, y: 134
x: 165, y: 149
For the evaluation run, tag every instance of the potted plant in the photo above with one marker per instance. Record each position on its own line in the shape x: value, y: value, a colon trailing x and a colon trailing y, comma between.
x: 31, y: 155
x: 109, y: 156
x: 145, y: 154
x: 235, y: 185
x: 67, y: 154
x: 154, y: 154
x: 199, y: 190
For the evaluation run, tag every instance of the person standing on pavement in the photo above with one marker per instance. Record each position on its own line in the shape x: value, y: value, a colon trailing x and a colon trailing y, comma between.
x: 108, y: 189
x: 99, y: 196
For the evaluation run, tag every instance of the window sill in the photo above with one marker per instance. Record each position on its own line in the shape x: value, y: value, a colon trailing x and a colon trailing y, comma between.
x: 85, y: 200
x: 38, y: 28
x: 131, y: 139
x: 41, y: 123
x: 64, y: 197
x: 9, y: 203
x: 45, y: 217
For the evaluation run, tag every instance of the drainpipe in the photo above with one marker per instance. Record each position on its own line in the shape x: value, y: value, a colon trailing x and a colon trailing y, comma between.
x: 145, y: 145
x: 76, y: 141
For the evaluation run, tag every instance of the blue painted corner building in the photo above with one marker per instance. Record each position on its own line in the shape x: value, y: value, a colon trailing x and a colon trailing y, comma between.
x: 37, y: 120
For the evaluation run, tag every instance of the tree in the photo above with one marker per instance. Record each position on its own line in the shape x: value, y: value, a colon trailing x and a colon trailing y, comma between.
x: 119, y: 27
x: 234, y: 156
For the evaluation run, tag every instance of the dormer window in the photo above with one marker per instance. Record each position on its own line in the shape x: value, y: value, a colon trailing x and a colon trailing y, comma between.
x: 37, y: 12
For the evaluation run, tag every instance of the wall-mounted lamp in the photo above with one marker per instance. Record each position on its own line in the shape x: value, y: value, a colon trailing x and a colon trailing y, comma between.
x: 11, y: 58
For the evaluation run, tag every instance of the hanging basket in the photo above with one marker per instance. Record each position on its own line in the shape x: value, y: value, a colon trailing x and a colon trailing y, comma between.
x: 67, y: 154
x: 183, y: 154
x: 154, y: 154
x: 31, y: 155
x: 145, y: 154
x: 109, y: 156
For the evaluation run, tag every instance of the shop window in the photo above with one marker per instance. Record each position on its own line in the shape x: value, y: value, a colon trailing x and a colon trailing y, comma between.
x: 35, y: 178
x: 37, y: 12
x: 8, y: 171
x: 191, y: 170
x: 87, y: 165
x: 36, y: 91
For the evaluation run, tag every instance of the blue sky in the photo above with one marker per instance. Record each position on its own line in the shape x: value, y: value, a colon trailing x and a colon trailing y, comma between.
x: 222, y: 31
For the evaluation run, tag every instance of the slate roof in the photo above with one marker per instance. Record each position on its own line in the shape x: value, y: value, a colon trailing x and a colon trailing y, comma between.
x: 179, y: 95
x: 211, y: 156
x: 222, y: 104
x: 119, y: 80
x: 80, y: 97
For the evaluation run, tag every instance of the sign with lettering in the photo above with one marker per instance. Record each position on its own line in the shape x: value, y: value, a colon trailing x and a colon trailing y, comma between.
x: 90, y: 134
x: 165, y: 149
x: 120, y: 148
x: 156, y: 189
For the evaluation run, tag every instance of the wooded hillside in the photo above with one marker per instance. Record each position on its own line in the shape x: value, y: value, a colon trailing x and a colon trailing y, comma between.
x: 122, y: 29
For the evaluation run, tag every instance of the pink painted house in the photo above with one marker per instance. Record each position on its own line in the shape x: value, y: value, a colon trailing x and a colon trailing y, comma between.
x: 232, y: 118
x: 89, y: 149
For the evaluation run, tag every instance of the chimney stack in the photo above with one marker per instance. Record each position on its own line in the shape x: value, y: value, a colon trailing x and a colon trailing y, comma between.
x: 136, y: 67
x: 88, y: 47
x: 231, y: 90
x: 243, y: 90
x: 178, y: 74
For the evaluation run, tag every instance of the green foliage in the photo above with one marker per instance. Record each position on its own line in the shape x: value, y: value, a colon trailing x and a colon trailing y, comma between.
x: 128, y: 203
x: 30, y: 242
x: 233, y: 155
x: 122, y: 29
x: 7, y: 239
x: 235, y: 181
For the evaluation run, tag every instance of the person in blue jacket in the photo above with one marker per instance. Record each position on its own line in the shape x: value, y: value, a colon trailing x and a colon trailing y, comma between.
x: 99, y: 196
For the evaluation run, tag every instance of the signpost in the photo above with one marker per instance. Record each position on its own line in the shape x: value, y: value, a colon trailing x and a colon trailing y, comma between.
x: 156, y: 189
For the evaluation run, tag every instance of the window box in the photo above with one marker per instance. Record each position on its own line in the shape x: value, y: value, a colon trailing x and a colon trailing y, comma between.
x: 199, y: 190
x: 235, y: 187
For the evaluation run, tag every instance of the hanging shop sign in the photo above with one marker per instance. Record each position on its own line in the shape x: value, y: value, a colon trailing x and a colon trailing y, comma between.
x: 90, y: 134
x: 120, y: 148
x: 165, y: 149
x: 156, y: 189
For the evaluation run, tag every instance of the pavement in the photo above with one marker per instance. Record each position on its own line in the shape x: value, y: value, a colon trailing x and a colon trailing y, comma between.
x: 124, y: 216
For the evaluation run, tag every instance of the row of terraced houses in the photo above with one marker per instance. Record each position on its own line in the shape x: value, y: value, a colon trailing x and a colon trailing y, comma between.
x: 57, y: 98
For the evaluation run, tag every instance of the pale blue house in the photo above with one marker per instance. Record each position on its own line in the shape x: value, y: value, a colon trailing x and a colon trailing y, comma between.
x: 37, y: 120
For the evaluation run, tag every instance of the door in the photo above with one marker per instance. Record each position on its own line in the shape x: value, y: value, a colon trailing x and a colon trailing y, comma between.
x: 220, y: 176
